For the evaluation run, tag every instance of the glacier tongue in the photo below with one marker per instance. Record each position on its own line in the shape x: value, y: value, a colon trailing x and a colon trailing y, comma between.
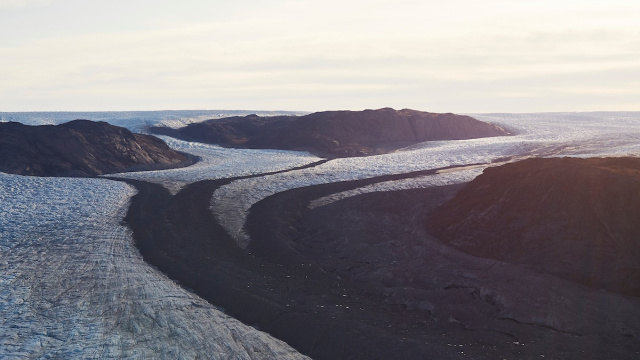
x: 217, y: 163
x: 72, y: 284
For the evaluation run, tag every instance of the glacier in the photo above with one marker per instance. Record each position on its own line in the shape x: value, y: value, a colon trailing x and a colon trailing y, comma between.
x: 73, y: 285
x: 540, y: 135
x: 217, y: 162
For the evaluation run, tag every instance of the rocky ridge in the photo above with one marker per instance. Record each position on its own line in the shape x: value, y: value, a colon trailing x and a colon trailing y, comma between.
x: 336, y: 133
x: 81, y: 148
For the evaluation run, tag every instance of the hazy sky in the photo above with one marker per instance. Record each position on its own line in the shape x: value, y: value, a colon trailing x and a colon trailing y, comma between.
x: 454, y: 55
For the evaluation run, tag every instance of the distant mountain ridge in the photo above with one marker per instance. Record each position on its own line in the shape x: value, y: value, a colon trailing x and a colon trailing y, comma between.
x: 576, y: 218
x: 336, y: 133
x: 81, y: 148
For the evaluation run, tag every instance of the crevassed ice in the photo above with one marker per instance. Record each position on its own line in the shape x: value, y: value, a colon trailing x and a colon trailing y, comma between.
x: 577, y: 134
x: 545, y: 135
x: 231, y: 203
x: 72, y: 285
x: 442, y: 179
x: 219, y: 163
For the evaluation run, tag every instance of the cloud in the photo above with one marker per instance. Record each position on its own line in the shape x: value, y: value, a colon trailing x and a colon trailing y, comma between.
x: 16, y: 4
x: 307, y: 55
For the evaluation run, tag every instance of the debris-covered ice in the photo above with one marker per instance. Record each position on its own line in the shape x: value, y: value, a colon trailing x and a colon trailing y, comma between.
x: 545, y: 134
x: 72, y: 285
x: 426, y: 181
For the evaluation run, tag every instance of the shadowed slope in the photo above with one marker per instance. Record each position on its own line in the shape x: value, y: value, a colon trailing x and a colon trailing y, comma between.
x: 81, y: 148
x: 577, y: 218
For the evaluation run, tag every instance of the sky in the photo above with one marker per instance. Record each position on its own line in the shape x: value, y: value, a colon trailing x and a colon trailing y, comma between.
x: 464, y: 56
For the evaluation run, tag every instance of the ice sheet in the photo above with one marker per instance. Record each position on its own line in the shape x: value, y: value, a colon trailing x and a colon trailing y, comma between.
x: 136, y: 121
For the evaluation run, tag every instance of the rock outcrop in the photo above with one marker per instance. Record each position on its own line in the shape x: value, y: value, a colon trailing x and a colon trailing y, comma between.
x: 81, y: 148
x: 336, y: 133
x: 575, y: 218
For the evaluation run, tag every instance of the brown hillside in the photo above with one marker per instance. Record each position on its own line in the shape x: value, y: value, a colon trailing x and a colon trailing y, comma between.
x: 576, y: 218
x: 81, y: 148
x: 336, y: 133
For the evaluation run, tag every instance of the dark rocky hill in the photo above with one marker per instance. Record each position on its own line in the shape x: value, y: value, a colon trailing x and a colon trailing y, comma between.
x: 336, y: 133
x: 576, y: 218
x: 81, y: 148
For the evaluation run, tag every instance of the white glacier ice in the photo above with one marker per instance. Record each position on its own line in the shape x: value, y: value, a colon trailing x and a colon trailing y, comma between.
x: 218, y: 163
x: 455, y: 176
x: 72, y: 284
x: 545, y: 134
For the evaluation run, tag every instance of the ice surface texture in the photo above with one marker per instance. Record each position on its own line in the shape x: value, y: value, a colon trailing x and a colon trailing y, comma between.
x: 543, y: 134
x: 546, y: 134
x: 72, y: 285
x: 445, y: 178
x: 218, y: 163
